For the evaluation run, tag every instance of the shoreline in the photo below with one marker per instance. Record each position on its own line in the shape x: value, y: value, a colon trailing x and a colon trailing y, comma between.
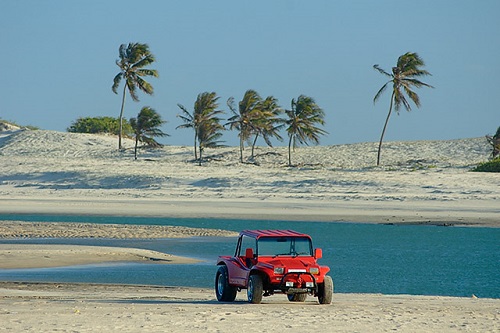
x: 474, y: 214
x: 112, y: 288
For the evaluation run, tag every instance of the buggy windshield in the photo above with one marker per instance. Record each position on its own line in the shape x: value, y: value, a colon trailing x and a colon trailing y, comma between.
x: 284, y: 246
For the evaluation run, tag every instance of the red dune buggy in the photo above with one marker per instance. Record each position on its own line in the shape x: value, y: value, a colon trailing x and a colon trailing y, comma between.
x: 273, y: 261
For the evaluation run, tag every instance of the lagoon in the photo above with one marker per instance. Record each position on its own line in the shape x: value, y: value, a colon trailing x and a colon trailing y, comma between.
x: 364, y: 258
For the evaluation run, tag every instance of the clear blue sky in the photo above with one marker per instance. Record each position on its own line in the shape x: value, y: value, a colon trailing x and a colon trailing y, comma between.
x: 58, y: 60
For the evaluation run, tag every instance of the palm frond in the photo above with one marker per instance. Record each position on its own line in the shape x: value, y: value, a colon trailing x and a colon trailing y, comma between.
x: 116, y: 82
x: 413, y: 96
x: 381, y: 71
x: 187, y: 115
x: 132, y: 89
x: 230, y: 105
x: 122, y: 51
x: 145, y: 60
x: 416, y: 83
x: 147, y: 72
x: 380, y: 92
x: 145, y: 86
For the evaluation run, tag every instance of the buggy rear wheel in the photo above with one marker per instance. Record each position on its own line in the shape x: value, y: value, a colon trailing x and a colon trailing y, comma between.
x: 224, y: 291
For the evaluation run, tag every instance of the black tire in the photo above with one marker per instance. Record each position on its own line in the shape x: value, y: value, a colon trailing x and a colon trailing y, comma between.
x: 255, y: 289
x: 224, y: 291
x: 297, y: 297
x: 325, y: 292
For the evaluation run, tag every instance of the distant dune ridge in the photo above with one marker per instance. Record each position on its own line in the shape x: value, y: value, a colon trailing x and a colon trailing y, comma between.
x: 419, y: 181
x: 449, y: 153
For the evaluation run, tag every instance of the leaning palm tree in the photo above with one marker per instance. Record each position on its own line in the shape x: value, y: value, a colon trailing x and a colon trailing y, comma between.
x: 209, y: 133
x: 403, y: 78
x: 133, y: 58
x: 244, y: 119
x: 146, y: 127
x: 205, y: 111
x: 269, y: 122
x: 302, y: 123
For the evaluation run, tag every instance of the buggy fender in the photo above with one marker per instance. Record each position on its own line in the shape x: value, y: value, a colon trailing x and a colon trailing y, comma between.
x: 237, y: 272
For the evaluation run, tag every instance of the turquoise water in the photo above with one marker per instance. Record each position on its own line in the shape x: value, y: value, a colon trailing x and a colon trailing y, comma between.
x: 364, y: 258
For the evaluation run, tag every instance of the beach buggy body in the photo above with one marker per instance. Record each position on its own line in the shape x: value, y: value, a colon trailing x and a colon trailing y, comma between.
x: 273, y: 261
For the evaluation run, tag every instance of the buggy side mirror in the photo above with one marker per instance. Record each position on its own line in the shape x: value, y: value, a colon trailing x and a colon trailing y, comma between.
x: 249, y: 253
x: 318, y: 253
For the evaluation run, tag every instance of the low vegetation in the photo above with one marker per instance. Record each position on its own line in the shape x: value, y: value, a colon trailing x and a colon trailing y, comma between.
x: 490, y: 166
x: 6, y: 125
x: 493, y: 165
x: 97, y: 125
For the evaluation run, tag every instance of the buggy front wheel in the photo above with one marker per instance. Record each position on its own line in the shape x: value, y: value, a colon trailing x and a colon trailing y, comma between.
x: 255, y: 289
x: 325, y: 291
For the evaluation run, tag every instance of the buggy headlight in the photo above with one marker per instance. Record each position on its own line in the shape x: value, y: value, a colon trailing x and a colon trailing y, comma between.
x: 314, y: 270
x: 279, y: 270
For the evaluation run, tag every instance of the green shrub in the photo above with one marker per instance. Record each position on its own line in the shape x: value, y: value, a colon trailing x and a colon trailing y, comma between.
x: 490, y: 166
x: 108, y: 125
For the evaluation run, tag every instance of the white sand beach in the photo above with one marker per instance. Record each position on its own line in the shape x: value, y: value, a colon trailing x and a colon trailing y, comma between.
x: 29, y: 307
x: 47, y: 172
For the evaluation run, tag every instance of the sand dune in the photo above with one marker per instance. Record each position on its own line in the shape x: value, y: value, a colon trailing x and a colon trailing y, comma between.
x: 423, y: 181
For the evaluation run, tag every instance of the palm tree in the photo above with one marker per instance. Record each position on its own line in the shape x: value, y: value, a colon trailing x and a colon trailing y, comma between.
x: 403, y: 79
x: 133, y: 58
x: 205, y: 112
x: 208, y: 134
x: 302, y: 123
x: 269, y: 123
x: 146, y: 127
x: 244, y: 119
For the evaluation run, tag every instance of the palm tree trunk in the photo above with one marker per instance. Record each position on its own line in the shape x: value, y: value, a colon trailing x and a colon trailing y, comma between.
x: 253, y: 144
x: 241, y: 148
x: 290, y: 151
x: 383, y: 131
x: 195, y: 147
x: 121, y: 118
x: 199, y: 161
x: 135, y: 149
